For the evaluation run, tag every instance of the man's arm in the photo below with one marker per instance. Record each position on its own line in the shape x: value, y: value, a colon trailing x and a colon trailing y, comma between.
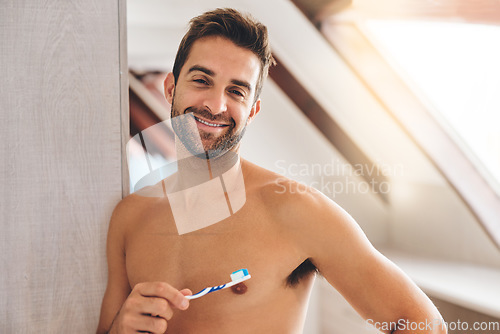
x: 148, y: 306
x: 377, y: 289
x: 117, y: 289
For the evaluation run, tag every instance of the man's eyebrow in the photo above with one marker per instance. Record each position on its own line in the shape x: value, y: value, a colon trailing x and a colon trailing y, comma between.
x: 201, y: 69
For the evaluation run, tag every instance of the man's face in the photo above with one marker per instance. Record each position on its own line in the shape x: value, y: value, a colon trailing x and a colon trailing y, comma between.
x: 217, y: 86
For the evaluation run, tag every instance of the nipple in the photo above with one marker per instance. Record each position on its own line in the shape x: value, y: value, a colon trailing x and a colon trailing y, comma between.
x: 239, y: 288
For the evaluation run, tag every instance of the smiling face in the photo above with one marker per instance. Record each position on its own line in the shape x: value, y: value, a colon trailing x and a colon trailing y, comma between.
x: 217, y: 86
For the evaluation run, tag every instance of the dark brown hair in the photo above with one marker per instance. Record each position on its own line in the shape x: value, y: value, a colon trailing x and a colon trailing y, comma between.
x: 243, y: 30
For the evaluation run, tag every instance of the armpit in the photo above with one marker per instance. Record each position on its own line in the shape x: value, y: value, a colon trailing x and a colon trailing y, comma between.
x: 305, y: 269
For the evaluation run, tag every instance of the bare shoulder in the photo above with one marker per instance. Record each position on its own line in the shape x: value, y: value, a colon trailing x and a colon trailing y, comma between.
x: 133, y: 209
x: 293, y: 202
x: 131, y: 206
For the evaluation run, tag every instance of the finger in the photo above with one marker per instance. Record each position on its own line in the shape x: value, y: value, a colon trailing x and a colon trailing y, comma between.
x: 166, y: 291
x: 156, y: 306
x: 149, y: 324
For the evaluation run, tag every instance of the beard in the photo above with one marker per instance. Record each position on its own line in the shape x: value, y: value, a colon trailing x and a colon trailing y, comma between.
x: 203, y: 144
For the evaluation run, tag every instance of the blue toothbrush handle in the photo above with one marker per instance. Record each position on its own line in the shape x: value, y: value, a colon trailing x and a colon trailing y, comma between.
x: 206, y: 291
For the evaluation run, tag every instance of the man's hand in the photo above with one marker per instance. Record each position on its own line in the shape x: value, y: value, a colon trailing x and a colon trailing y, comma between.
x: 148, y: 308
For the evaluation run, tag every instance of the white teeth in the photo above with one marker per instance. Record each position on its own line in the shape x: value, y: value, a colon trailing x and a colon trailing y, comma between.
x: 209, y: 124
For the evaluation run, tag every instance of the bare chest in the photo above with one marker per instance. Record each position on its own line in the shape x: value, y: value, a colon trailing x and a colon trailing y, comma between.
x: 250, y: 239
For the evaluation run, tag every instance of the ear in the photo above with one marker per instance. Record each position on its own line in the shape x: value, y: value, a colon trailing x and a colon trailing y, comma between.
x: 254, y: 111
x: 169, y: 86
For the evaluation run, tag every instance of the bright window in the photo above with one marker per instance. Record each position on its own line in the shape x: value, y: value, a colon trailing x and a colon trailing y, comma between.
x: 456, y: 67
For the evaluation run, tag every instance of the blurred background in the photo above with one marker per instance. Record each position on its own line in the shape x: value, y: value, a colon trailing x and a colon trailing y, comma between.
x: 391, y: 108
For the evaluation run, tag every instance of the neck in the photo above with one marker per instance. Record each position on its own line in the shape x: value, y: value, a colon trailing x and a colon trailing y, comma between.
x: 193, y: 170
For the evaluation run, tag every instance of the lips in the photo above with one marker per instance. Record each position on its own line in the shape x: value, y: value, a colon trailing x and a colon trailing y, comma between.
x: 211, y: 124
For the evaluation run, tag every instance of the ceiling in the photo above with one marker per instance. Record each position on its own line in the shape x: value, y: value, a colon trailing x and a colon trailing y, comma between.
x: 155, y: 27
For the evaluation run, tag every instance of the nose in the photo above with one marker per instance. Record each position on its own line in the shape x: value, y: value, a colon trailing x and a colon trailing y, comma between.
x: 216, y: 101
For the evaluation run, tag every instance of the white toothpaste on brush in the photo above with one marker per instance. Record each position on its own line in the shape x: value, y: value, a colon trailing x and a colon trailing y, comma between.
x: 237, y: 277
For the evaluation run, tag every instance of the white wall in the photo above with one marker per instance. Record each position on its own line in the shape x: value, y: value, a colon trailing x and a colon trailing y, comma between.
x: 431, y: 221
x: 60, y: 102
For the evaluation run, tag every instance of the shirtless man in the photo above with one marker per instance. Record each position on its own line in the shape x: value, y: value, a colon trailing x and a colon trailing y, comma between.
x: 283, y: 239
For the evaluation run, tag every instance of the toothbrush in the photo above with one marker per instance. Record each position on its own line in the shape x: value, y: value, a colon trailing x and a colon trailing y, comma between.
x: 237, y: 277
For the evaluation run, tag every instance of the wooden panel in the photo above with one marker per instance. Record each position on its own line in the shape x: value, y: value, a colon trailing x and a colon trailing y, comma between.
x: 60, y: 145
x: 311, y: 8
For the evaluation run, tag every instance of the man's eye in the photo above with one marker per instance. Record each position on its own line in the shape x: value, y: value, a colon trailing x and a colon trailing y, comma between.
x: 201, y: 81
x: 236, y: 92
